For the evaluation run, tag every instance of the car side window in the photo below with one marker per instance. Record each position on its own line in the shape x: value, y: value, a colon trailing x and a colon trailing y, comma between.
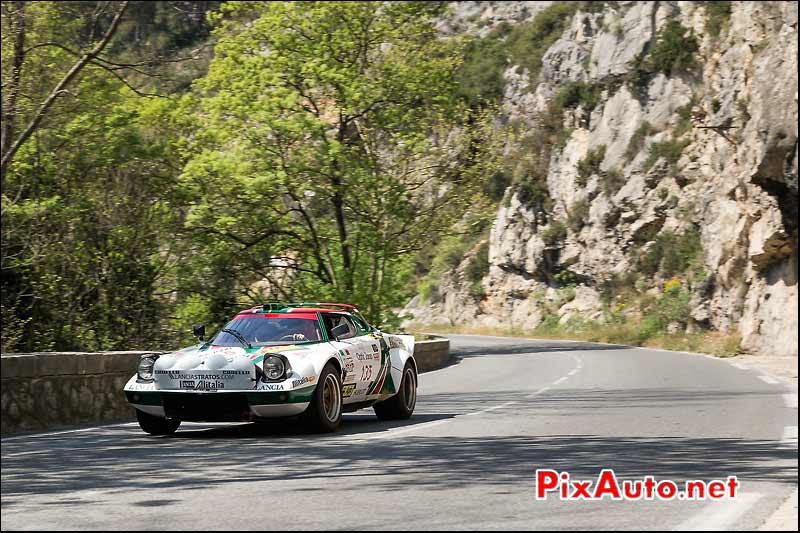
x: 362, y: 327
x: 331, y: 321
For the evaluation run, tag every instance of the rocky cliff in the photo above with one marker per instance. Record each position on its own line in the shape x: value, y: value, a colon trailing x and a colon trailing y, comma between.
x: 673, y: 162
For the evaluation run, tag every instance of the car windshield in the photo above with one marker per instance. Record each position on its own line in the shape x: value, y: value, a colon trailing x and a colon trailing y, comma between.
x: 269, y: 331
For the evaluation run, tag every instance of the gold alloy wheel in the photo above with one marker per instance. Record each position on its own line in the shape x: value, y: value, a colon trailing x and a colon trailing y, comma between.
x: 331, y: 398
x: 409, y: 390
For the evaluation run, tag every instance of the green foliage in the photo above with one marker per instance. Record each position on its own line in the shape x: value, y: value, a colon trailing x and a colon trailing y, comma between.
x: 675, y: 50
x: 638, y: 139
x: 670, y: 150
x: 567, y: 279
x: 429, y: 291
x: 684, y: 125
x: 527, y: 43
x: 555, y: 233
x: 718, y: 13
x: 612, y: 181
x: 478, y: 267
x: 314, y: 168
x: 578, y: 215
x: 673, y: 254
x: 590, y: 164
x: 670, y: 308
x: 528, y: 160
x: 480, y: 76
x: 340, y: 119
x: 574, y: 94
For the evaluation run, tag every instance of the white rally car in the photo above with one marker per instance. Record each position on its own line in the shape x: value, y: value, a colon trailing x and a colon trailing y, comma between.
x: 279, y: 360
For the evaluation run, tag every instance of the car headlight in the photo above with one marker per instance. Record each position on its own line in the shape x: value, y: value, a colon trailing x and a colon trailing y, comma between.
x: 275, y: 367
x: 145, y: 370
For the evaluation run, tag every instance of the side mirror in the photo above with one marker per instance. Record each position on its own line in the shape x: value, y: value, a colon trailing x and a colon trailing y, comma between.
x: 340, y: 331
x: 199, y: 331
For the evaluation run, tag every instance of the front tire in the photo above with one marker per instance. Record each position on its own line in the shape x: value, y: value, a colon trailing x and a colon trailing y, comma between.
x: 401, y: 405
x: 155, y: 425
x: 324, y: 414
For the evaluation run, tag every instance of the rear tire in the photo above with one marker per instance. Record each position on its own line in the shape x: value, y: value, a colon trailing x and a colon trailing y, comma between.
x: 324, y: 413
x: 401, y: 405
x: 156, y: 425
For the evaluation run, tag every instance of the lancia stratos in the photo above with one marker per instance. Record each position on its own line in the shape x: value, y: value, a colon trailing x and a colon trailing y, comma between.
x: 312, y: 361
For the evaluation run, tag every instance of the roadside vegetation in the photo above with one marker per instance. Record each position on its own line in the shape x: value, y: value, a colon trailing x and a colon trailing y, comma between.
x: 168, y: 163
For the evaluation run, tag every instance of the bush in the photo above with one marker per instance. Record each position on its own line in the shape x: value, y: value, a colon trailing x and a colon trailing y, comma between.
x: 555, y: 233
x: 612, y: 180
x: 590, y: 164
x: 670, y: 150
x: 478, y: 266
x: 685, y: 123
x: 673, y: 254
x: 480, y: 76
x: 671, y: 307
x: 429, y: 291
x: 674, y: 50
x: 567, y: 278
x: 717, y: 15
x: 527, y: 43
x: 637, y: 140
x: 576, y: 94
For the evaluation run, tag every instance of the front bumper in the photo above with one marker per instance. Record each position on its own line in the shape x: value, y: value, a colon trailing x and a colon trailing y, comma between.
x: 220, y: 406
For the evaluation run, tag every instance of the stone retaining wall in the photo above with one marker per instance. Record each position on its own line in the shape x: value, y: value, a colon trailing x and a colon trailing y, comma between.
x: 50, y: 389
x: 432, y: 354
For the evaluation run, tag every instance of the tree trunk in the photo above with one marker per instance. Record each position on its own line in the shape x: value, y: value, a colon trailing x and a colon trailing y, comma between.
x: 59, y: 90
x: 10, y: 104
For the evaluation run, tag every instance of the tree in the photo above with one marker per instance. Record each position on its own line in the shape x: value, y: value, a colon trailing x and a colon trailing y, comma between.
x: 88, y: 192
x: 329, y: 145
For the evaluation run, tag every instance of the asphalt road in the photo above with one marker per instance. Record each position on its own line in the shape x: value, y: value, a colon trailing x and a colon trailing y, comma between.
x: 466, y: 460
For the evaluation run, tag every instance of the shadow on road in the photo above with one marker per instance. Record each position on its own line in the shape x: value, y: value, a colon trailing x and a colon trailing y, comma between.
x: 122, y: 459
x: 531, y: 347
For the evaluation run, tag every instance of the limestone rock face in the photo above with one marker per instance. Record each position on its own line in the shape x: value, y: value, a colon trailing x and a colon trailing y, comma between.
x: 734, y: 181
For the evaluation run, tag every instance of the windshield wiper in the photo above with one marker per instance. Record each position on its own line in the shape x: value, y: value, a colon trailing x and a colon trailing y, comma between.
x: 239, y: 337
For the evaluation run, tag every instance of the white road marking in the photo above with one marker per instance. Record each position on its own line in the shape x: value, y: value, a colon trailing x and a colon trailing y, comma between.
x: 184, y: 425
x: 790, y: 400
x: 560, y: 380
x: 491, y: 408
x: 720, y: 515
x: 769, y: 379
x: 789, y: 439
x: 402, y: 431
x: 395, y: 432
x: 740, y: 366
x: 538, y: 392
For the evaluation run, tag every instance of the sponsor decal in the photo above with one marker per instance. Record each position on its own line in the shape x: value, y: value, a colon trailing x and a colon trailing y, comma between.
x: 272, y: 349
x: 395, y: 342
x: 349, y: 365
x: 203, y: 384
x: 349, y: 378
x: 221, y: 375
x: 302, y: 381
x: 375, y: 348
x: 272, y: 386
x: 347, y: 391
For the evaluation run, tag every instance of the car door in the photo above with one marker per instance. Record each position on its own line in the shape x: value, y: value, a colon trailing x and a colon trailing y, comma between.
x: 362, y: 357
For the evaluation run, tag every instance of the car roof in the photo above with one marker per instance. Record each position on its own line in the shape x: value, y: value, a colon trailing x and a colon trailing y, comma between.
x: 304, y: 307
